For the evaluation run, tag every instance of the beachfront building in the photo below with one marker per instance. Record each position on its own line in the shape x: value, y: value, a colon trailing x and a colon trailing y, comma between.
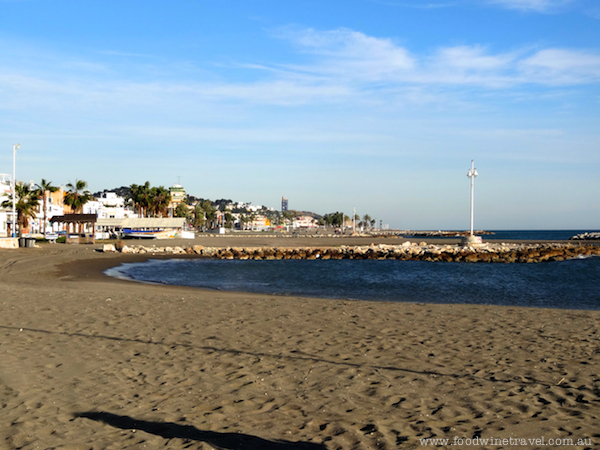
x: 109, y: 206
x: 260, y: 223
x: 143, y: 228
x: 305, y: 222
x: 5, y: 213
x: 54, y: 207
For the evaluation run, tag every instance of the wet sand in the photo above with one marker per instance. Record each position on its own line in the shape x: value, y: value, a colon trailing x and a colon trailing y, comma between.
x: 90, y: 362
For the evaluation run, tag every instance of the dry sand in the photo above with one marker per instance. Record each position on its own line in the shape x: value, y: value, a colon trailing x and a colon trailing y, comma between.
x: 89, y: 362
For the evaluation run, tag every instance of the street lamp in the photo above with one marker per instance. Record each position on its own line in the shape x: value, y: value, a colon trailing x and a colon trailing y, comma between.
x: 14, y: 187
x: 472, y: 174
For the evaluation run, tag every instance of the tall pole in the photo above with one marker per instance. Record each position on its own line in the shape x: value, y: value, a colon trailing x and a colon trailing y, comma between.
x: 14, y: 188
x: 472, y: 174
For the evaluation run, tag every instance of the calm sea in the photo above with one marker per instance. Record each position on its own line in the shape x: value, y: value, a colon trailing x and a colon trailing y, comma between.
x: 534, y: 235
x: 573, y: 284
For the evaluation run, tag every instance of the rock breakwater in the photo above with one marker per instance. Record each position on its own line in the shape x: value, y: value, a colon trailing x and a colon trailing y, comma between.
x: 586, y: 236
x: 490, y: 253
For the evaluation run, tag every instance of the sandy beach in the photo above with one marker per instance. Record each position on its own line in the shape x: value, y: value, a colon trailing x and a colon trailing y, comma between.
x: 91, y: 362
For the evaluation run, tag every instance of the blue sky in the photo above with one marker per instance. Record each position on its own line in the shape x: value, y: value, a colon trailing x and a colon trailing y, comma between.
x: 374, y: 104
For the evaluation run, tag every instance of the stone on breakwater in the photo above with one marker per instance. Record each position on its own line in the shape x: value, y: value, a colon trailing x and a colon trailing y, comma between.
x: 505, y: 253
x: 447, y: 253
x: 586, y: 236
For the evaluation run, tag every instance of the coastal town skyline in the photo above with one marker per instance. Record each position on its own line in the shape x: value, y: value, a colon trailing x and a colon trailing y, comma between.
x: 373, y: 105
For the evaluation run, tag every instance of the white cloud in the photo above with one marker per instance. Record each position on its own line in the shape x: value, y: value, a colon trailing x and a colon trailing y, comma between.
x: 361, y: 61
x: 341, y: 67
x: 562, y: 67
x: 472, y: 58
x: 542, y: 6
x: 350, y: 54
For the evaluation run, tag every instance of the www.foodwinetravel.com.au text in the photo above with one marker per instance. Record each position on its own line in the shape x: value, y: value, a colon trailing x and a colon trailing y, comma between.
x: 478, y: 441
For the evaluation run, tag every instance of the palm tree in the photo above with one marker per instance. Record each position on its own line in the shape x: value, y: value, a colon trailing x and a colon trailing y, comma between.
x: 140, y: 196
x: 199, y: 217
x: 366, y: 220
x: 46, y: 186
x: 182, y: 210
x: 210, y: 212
x: 27, y: 200
x: 160, y: 199
x: 251, y: 219
x: 288, y: 218
x: 229, y: 219
x: 243, y: 220
x: 77, y: 196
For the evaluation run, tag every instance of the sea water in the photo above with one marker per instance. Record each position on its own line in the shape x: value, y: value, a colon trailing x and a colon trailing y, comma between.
x: 529, y: 235
x: 572, y: 284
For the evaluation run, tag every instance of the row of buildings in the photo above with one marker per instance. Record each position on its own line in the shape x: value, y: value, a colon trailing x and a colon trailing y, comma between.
x: 111, y: 208
x: 106, y: 206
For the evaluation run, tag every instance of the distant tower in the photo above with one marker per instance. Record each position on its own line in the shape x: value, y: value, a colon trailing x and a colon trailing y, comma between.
x: 178, y: 195
x: 284, y: 204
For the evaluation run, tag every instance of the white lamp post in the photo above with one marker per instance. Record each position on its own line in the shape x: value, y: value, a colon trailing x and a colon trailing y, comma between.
x: 14, y: 188
x: 470, y: 240
x: 472, y: 174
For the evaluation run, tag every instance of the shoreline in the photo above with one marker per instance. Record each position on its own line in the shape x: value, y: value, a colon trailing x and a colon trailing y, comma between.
x: 92, y: 362
x: 440, y: 289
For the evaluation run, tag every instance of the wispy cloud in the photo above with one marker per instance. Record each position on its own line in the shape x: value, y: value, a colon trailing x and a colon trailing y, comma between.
x: 361, y: 61
x: 349, y: 54
x: 561, y: 67
x: 541, y: 6
x: 339, y: 66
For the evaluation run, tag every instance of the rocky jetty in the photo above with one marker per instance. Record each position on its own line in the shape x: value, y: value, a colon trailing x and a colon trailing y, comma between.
x: 440, y: 233
x: 490, y: 253
x: 590, y: 236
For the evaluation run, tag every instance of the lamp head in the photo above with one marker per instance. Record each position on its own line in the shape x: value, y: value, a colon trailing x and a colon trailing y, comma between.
x: 17, y: 146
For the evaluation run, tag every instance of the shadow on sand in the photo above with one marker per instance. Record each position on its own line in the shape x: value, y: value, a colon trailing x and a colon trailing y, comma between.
x: 225, y: 441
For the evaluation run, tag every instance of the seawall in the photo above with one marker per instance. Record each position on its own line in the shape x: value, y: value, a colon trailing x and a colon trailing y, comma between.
x: 489, y: 252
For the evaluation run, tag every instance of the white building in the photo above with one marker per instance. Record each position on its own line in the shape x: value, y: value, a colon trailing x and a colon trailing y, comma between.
x: 109, y: 206
x: 5, y: 213
x: 305, y: 222
x: 54, y: 207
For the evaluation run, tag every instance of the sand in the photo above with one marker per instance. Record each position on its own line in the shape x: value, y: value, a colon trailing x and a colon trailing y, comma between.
x: 89, y: 362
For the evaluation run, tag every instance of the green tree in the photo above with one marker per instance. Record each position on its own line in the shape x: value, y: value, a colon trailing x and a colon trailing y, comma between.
x: 335, y: 219
x: 274, y: 217
x: 251, y: 219
x: 228, y: 219
x: 182, y: 210
x: 243, y: 221
x: 366, y: 220
x: 77, y: 196
x: 27, y: 200
x: 140, y: 196
x: 288, y: 217
x: 210, y: 213
x: 199, y: 217
x: 43, y: 187
x: 159, y: 201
